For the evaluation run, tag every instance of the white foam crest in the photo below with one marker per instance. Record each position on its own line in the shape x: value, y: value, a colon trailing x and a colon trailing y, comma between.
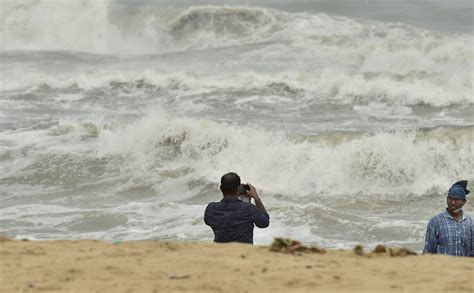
x: 338, y: 87
x: 78, y: 25
x: 394, y: 164
x: 97, y: 78
x: 377, y: 46
x: 216, y: 26
x: 108, y: 27
x: 29, y: 150
x: 62, y: 135
x: 91, y: 79
x: 399, y: 90
x: 35, y: 210
x: 381, y: 165
x: 367, y: 58
x: 18, y: 142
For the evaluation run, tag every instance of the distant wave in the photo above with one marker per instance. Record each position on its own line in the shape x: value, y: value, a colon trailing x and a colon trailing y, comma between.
x: 414, y: 88
x: 201, y: 27
x: 109, y: 28
x: 54, y: 25
x: 315, y: 56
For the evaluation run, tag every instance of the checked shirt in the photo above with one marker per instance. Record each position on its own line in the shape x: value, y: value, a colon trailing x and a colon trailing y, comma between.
x: 445, y: 235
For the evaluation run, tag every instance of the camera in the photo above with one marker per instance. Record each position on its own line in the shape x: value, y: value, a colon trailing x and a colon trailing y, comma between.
x: 243, y: 188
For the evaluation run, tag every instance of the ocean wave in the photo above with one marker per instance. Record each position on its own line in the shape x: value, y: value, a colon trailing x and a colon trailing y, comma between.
x: 210, y: 26
x: 312, y: 56
x: 109, y: 28
x: 415, y: 88
x: 48, y: 25
x: 151, y: 178
x: 378, y: 165
x: 162, y: 151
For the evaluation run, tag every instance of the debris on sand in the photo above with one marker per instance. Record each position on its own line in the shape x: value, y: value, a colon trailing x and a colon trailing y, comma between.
x: 393, y: 251
x: 383, y: 250
x: 286, y: 245
x: 380, y: 249
x: 359, y: 250
x: 401, y: 252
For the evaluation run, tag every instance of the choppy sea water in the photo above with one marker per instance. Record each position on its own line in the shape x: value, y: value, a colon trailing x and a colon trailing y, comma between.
x: 118, y: 118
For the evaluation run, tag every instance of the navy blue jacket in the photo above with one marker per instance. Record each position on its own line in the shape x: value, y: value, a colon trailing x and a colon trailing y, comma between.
x: 233, y: 220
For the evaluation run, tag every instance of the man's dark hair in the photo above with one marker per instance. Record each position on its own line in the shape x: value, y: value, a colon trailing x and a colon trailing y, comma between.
x: 230, y: 183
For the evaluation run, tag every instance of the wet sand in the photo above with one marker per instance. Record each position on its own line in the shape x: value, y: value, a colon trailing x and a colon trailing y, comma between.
x: 157, y: 266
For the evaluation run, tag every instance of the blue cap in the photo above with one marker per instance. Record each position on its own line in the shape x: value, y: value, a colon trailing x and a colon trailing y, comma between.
x: 459, y: 190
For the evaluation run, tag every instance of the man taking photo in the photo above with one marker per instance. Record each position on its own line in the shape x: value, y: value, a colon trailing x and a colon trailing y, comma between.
x: 231, y: 219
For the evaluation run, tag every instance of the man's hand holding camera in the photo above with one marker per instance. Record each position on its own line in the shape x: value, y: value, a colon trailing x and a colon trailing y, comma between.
x: 253, y: 194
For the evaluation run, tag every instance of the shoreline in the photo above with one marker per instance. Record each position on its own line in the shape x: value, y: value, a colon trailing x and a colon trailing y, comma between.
x: 166, y: 266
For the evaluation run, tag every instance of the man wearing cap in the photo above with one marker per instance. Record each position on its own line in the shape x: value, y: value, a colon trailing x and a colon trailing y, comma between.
x: 451, y: 232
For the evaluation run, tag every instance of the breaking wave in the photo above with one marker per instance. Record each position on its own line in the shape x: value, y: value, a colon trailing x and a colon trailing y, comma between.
x: 377, y: 165
x: 305, y: 87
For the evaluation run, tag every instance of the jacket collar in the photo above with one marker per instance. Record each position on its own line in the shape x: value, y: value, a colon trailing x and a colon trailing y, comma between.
x: 230, y: 199
x: 447, y: 215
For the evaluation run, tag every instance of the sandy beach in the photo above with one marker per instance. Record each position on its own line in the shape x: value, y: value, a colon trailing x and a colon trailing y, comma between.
x: 157, y: 266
